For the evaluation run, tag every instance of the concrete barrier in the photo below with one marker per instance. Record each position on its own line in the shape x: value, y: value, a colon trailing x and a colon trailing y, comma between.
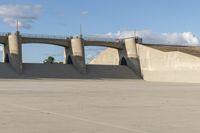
x: 173, y: 66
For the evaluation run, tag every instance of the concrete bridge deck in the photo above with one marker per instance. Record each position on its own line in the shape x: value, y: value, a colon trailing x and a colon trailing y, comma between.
x: 52, y: 41
x: 63, y: 41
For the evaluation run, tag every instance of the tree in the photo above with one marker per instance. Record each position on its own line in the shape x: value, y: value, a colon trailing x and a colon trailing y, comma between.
x: 49, y: 60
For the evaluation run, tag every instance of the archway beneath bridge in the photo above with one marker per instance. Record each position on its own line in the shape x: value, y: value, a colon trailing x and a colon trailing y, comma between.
x: 38, y: 52
x: 99, y: 55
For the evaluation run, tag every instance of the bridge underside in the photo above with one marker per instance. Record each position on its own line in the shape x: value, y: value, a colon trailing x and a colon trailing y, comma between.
x: 66, y: 42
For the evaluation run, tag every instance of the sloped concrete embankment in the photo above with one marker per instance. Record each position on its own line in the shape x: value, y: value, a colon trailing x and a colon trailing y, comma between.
x: 170, y: 66
x: 67, y: 72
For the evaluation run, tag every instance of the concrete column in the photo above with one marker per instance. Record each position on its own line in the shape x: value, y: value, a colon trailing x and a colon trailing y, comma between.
x: 15, y: 51
x: 129, y: 53
x: 130, y: 46
x: 65, y: 56
x: 3, y: 54
x: 78, y: 56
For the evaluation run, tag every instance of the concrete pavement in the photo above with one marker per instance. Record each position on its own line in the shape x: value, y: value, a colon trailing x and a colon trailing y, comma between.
x: 98, y: 106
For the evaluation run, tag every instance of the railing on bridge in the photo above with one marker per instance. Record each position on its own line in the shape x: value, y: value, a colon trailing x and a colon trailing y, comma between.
x: 44, y: 36
x: 3, y: 33
x: 85, y: 37
x: 100, y: 38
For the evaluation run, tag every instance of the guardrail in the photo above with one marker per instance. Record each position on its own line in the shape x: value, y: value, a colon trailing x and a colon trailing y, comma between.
x: 3, y: 33
x: 100, y: 38
x: 44, y: 36
x: 85, y: 37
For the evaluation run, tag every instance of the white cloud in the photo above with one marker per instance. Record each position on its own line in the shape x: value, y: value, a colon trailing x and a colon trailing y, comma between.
x: 148, y: 36
x: 26, y: 14
x: 84, y: 12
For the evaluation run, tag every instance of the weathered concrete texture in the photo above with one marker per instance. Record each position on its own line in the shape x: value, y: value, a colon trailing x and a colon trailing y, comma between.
x: 61, y: 71
x: 15, y: 51
x: 171, y: 66
x: 78, y: 57
x: 130, y: 53
x: 98, y: 106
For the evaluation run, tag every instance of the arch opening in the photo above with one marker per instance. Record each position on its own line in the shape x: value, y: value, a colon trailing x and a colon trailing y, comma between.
x: 69, y: 60
x: 32, y: 53
x: 123, y: 62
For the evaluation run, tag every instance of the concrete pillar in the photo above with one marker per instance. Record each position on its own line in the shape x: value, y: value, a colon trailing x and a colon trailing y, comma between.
x: 3, y: 55
x: 65, y: 56
x: 130, y: 54
x: 15, y: 51
x: 130, y: 46
x: 78, y: 56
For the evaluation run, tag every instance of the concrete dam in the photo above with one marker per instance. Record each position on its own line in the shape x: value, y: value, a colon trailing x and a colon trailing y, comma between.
x: 127, y: 58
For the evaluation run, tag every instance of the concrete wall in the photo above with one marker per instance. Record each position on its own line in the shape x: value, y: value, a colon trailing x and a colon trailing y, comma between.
x: 114, y: 57
x: 172, y: 66
x: 109, y: 56
x: 67, y: 72
x: 159, y: 66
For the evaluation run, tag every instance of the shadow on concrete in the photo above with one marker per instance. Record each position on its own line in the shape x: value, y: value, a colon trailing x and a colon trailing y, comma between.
x: 61, y: 71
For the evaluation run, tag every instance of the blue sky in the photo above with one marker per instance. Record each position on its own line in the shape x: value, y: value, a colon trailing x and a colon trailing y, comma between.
x: 63, y: 17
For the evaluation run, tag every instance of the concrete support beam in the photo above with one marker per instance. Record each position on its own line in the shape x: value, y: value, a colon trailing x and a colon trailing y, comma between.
x: 78, y: 56
x: 15, y: 51
x: 130, y: 55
